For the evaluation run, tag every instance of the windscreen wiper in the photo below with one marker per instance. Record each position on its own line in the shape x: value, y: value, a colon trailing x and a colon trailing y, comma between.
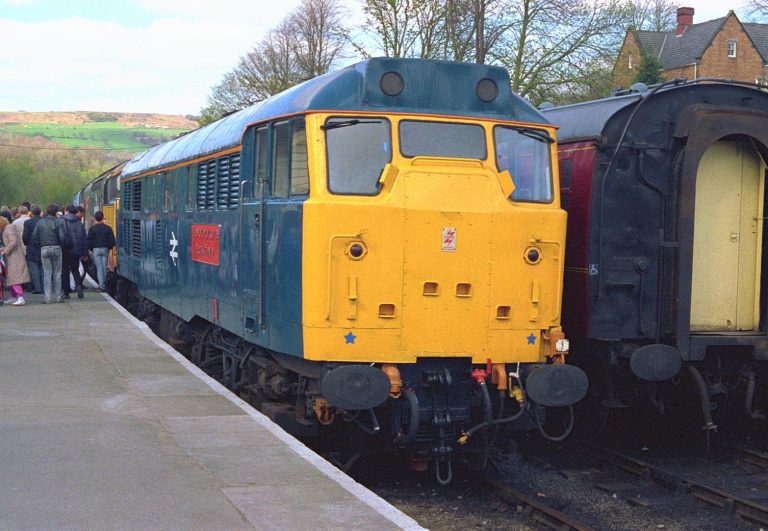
x: 346, y: 123
x: 536, y: 134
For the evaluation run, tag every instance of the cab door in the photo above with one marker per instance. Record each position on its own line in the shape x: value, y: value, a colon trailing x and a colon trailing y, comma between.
x: 252, y: 239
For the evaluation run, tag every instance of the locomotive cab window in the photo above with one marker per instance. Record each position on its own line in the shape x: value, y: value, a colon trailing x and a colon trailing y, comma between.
x: 357, y: 151
x: 526, y: 154
x: 442, y: 139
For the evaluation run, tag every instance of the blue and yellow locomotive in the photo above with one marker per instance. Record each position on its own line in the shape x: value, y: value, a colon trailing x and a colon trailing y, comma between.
x: 370, y: 250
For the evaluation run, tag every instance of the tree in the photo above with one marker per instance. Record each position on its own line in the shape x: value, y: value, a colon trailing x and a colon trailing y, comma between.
x: 553, y: 43
x: 459, y: 30
x: 649, y: 71
x: 652, y: 15
x: 392, y: 25
x: 594, y: 83
x: 757, y: 9
x: 304, y: 45
x: 318, y: 35
x: 41, y: 171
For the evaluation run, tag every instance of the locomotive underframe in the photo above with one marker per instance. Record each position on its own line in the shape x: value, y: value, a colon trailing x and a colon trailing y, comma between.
x: 456, y: 409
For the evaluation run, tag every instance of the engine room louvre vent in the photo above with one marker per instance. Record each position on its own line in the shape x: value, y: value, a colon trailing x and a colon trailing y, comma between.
x: 127, y: 233
x: 206, y: 185
x: 158, y: 244
x: 228, y: 190
x: 128, y: 194
x: 222, y: 185
x: 234, y: 180
x: 136, y: 196
x: 136, y: 238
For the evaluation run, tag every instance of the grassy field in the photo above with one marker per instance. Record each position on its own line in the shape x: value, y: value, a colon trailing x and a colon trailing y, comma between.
x: 105, y: 135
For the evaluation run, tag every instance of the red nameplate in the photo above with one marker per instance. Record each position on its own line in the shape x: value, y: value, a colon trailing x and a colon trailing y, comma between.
x: 205, y: 244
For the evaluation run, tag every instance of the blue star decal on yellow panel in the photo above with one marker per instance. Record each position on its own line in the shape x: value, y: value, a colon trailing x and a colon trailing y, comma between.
x: 531, y: 339
x: 350, y: 338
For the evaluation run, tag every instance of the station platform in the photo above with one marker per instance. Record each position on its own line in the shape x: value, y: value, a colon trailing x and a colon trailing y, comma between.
x: 104, y: 426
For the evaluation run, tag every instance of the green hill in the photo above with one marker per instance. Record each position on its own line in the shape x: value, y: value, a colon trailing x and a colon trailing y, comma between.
x: 109, y: 131
x: 49, y: 156
x: 111, y: 136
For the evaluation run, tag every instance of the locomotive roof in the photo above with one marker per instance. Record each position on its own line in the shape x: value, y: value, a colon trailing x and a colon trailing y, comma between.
x: 429, y: 87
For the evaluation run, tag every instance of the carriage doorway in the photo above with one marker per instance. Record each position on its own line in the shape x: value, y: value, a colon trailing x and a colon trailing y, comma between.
x: 727, y: 241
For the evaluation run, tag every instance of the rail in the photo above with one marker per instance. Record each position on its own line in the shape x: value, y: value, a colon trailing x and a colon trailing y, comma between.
x: 735, y: 505
x: 533, y: 508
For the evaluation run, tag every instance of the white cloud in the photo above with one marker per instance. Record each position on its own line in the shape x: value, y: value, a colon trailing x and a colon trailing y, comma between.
x: 168, y: 66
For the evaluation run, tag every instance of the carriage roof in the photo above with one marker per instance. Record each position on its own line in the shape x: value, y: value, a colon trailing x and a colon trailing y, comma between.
x: 588, y: 119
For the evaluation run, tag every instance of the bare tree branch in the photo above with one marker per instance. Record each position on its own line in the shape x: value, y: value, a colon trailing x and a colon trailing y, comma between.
x: 304, y: 45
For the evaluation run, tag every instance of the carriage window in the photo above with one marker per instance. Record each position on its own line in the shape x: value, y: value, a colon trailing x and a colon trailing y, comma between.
x: 261, y: 160
x: 299, y: 166
x: 441, y: 139
x: 525, y: 153
x: 357, y: 151
x: 281, y: 150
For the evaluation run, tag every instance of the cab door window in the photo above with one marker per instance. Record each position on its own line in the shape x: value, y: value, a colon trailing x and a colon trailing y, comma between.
x: 299, y: 162
x: 281, y: 162
x: 262, y: 157
x: 289, y: 163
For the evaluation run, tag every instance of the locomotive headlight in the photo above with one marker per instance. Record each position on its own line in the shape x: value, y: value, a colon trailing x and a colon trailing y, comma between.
x: 356, y: 250
x: 532, y: 255
x: 562, y: 345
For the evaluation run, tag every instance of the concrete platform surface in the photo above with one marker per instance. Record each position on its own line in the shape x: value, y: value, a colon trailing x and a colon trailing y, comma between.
x: 104, y: 426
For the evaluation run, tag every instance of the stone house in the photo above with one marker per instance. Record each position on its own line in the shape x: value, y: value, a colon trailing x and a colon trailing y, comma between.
x: 723, y: 48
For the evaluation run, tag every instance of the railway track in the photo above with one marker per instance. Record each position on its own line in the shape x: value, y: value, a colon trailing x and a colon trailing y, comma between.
x: 738, y: 506
x: 534, y: 509
x: 753, y: 457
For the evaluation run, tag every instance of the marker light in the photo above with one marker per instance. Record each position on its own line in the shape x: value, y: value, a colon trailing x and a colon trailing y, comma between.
x: 532, y: 255
x: 356, y: 250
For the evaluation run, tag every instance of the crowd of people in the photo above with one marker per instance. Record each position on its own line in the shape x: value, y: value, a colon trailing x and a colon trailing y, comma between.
x: 42, y: 254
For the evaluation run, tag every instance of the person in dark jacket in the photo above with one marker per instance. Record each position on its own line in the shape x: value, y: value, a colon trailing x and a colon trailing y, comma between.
x: 101, y: 239
x: 34, y: 263
x: 50, y: 236
x: 73, y: 252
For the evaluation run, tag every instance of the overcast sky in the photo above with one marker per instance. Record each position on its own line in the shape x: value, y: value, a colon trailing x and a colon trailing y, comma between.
x: 159, y: 56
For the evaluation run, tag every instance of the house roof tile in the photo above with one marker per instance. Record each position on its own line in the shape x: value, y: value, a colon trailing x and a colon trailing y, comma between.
x: 674, y: 50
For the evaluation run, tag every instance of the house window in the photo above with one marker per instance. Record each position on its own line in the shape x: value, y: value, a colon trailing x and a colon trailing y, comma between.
x: 629, y: 60
x: 731, y: 48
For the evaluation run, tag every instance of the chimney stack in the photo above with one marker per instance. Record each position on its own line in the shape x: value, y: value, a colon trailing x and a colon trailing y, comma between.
x: 684, y: 19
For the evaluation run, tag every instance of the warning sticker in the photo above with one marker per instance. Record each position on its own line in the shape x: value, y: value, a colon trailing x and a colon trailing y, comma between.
x: 449, y: 239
